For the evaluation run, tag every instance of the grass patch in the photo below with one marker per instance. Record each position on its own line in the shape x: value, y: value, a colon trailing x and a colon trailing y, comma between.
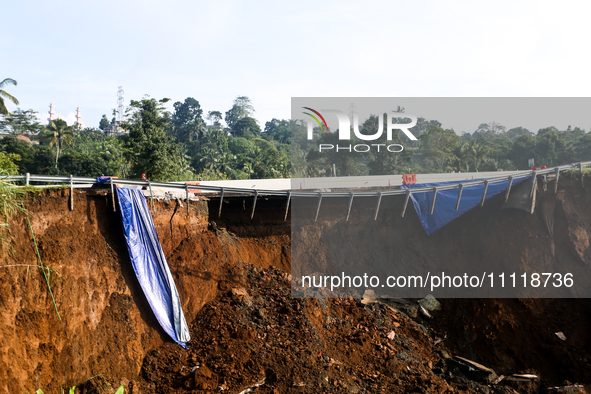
x: 11, y: 203
x: 96, y: 385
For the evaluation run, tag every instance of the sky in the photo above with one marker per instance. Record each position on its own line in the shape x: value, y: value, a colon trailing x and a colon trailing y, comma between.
x: 461, y: 114
x: 77, y: 53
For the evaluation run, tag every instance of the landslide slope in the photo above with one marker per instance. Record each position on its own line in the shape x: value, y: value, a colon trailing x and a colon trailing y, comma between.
x: 106, y: 326
x: 233, y: 279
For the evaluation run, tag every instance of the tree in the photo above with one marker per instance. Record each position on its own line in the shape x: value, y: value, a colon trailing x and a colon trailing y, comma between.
x: 583, y: 148
x: 43, y: 162
x: 523, y: 149
x: 104, y: 123
x: 247, y: 127
x: 101, y: 155
x: 23, y: 149
x: 479, y: 153
x: 5, y: 95
x: 7, y: 163
x: 21, y: 122
x: 214, y: 136
x: 80, y: 164
x: 462, y: 155
x: 516, y: 132
x: 62, y: 135
x: 321, y: 164
x: 438, y: 145
x: 215, y: 117
x: 187, y: 122
x: 384, y: 162
x: 553, y: 147
x: 498, y: 153
x: 242, y: 108
x: 488, y: 131
x: 225, y: 162
x: 150, y: 149
x: 209, y: 158
x: 422, y: 127
x: 278, y: 130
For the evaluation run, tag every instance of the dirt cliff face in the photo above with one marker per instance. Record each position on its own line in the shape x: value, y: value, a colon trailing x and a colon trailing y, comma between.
x: 516, y: 334
x: 233, y: 277
x: 106, y: 326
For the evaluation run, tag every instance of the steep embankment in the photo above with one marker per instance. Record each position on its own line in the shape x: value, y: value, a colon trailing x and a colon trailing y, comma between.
x: 106, y: 325
x: 515, y: 334
x: 233, y: 279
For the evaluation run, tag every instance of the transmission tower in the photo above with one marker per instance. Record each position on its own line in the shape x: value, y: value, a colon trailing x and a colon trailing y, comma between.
x: 120, y: 106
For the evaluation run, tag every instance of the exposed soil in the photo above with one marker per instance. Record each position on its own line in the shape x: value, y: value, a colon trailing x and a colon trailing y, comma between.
x: 233, y: 277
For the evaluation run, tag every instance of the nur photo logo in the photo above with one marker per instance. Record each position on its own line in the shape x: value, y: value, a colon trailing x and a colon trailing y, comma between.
x: 344, y: 130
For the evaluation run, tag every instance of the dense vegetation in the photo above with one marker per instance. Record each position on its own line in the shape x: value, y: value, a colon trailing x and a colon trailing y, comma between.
x: 165, y: 146
x: 489, y: 148
x: 186, y: 145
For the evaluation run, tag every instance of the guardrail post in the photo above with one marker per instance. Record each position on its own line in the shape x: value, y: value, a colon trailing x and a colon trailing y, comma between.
x: 378, y: 206
x: 221, y: 202
x: 151, y: 196
x: 318, y: 209
x: 113, y: 194
x: 533, y: 200
x: 434, y: 198
x: 533, y: 184
x: 254, y: 204
x: 28, y: 179
x: 405, y: 202
x: 71, y: 192
x: 287, y: 205
x: 484, y: 194
x: 509, y: 189
x: 581, y: 172
x: 461, y: 187
x: 557, y: 172
x: 350, y: 204
x: 187, y: 193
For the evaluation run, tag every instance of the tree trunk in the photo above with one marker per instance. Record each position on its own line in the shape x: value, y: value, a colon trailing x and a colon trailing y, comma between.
x: 57, y: 155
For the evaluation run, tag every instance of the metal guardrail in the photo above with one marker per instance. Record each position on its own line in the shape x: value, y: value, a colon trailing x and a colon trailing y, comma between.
x: 71, y: 181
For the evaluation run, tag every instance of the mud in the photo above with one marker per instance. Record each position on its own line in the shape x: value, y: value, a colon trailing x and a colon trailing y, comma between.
x: 106, y: 324
x: 247, y: 332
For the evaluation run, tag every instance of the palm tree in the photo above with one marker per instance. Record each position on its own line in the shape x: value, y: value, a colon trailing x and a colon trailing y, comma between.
x: 209, y: 158
x: 4, y: 94
x: 225, y: 162
x: 215, y: 135
x: 285, y: 167
x: 62, y: 135
x: 463, y: 154
x: 479, y: 153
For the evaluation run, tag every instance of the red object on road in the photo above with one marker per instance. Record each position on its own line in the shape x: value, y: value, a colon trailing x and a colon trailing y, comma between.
x: 409, y: 179
x: 193, y: 190
x: 538, y: 168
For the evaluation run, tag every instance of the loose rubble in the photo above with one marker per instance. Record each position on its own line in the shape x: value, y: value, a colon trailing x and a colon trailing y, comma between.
x: 256, y: 338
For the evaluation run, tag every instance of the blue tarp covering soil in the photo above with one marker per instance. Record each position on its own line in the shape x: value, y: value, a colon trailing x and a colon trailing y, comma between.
x: 149, y: 264
x: 445, y: 202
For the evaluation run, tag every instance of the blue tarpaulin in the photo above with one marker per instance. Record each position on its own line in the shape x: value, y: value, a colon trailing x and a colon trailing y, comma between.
x: 102, y: 179
x: 445, y: 202
x: 149, y: 264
